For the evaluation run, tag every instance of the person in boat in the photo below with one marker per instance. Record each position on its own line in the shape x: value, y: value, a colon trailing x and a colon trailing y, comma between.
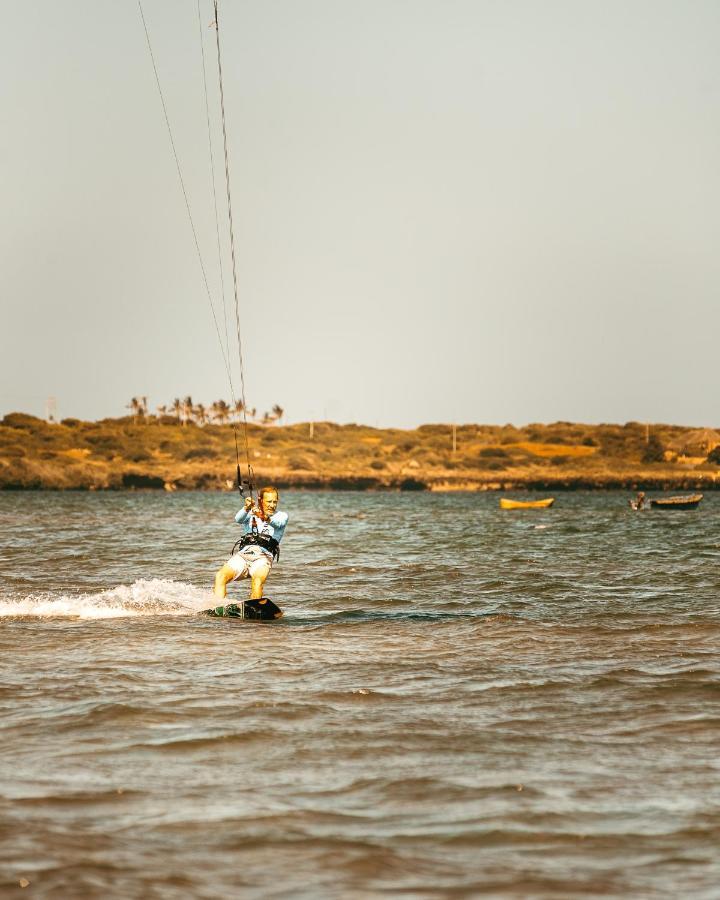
x: 253, y: 555
x: 639, y: 502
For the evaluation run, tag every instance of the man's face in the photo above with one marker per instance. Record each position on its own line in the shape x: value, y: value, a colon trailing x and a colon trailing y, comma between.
x: 269, y: 502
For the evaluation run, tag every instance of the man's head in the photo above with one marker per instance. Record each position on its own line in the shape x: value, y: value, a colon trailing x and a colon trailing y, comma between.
x: 268, y: 497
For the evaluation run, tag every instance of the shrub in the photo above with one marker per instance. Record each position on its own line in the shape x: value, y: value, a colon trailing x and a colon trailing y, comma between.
x: 138, y: 480
x: 200, y: 453
x: 298, y: 462
x: 12, y: 451
x: 138, y: 455
x: 100, y: 438
x: 412, y: 484
x: 22, y: 420
x: 714, y: 456
x: 15, y: 475
x: 654, y: 450
x: 494, y: 453
x: 104, y: 444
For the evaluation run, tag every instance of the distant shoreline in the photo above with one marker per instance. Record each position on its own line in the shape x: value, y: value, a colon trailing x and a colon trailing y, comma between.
x: 164, y: 454
x: 360, y: 486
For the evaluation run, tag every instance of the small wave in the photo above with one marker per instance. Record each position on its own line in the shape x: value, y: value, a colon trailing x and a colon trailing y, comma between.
x: 202, y: 742
x: 75, y: 798
x: 152, y: 597
x: 371, y: 616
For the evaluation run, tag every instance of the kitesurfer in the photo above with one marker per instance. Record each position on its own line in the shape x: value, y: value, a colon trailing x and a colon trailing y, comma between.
x: 640, y: 502
x: 255, y: 552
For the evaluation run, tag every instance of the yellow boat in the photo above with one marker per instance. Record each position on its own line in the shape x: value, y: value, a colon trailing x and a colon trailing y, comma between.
x: 526, y: 504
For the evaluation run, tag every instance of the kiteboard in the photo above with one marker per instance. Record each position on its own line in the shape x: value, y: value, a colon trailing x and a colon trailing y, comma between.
x: 252, y: 610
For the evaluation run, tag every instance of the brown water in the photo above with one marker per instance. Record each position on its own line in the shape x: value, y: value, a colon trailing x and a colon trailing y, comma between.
x: 460, y: 701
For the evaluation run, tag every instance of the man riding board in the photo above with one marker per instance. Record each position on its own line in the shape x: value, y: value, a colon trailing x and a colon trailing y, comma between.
x: 254, y: 553
x: 640, y: 502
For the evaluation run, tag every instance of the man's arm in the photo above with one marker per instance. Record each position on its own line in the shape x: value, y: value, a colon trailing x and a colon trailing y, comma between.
x: 243, y: 514
x: 278, y: 522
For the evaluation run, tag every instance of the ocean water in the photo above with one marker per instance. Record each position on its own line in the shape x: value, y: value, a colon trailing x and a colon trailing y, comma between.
x: 460, y: 701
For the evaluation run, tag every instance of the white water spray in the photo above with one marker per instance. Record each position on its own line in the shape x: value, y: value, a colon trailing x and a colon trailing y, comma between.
x: 141, y: 598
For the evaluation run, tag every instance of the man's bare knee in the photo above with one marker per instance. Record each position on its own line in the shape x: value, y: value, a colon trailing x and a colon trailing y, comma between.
x: 257, y: 583
x: 222, y: 578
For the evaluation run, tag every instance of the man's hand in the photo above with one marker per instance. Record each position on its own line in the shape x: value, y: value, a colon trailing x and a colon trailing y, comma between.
x: 248, y: 504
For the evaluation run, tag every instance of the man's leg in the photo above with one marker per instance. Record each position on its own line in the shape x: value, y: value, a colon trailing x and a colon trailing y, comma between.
x: 222, y: 579
x: 259, y: 572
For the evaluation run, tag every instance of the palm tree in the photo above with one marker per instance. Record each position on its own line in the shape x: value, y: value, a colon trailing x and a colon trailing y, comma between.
x: 277, y: 412
x: 187, y: 409
x: 161, y: 411
x: 136, y: 408
x: 238, y: 409
x: 222, y: 411
x: 177, y: 408
x: 200, y: 413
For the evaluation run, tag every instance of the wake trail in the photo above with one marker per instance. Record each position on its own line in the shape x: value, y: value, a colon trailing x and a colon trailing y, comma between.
x: 153, y: 597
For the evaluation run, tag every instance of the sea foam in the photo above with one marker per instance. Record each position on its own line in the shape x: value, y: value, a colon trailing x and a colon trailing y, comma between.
x: 141, y: 598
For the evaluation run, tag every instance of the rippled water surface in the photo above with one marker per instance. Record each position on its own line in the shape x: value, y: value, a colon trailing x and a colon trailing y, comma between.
x: 460, y: 701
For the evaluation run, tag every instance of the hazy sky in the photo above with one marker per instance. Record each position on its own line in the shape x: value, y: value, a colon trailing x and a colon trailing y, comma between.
x: 471, y: 210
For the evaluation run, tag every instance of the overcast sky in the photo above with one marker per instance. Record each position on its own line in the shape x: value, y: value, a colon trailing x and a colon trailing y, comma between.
x: 469, y: 210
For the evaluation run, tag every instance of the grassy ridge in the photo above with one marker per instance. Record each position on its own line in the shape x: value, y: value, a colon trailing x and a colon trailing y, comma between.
x: 162, y: 453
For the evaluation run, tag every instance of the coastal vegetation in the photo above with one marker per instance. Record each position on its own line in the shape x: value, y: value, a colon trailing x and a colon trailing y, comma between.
x: 176, y: 450
x: 219, y: 412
